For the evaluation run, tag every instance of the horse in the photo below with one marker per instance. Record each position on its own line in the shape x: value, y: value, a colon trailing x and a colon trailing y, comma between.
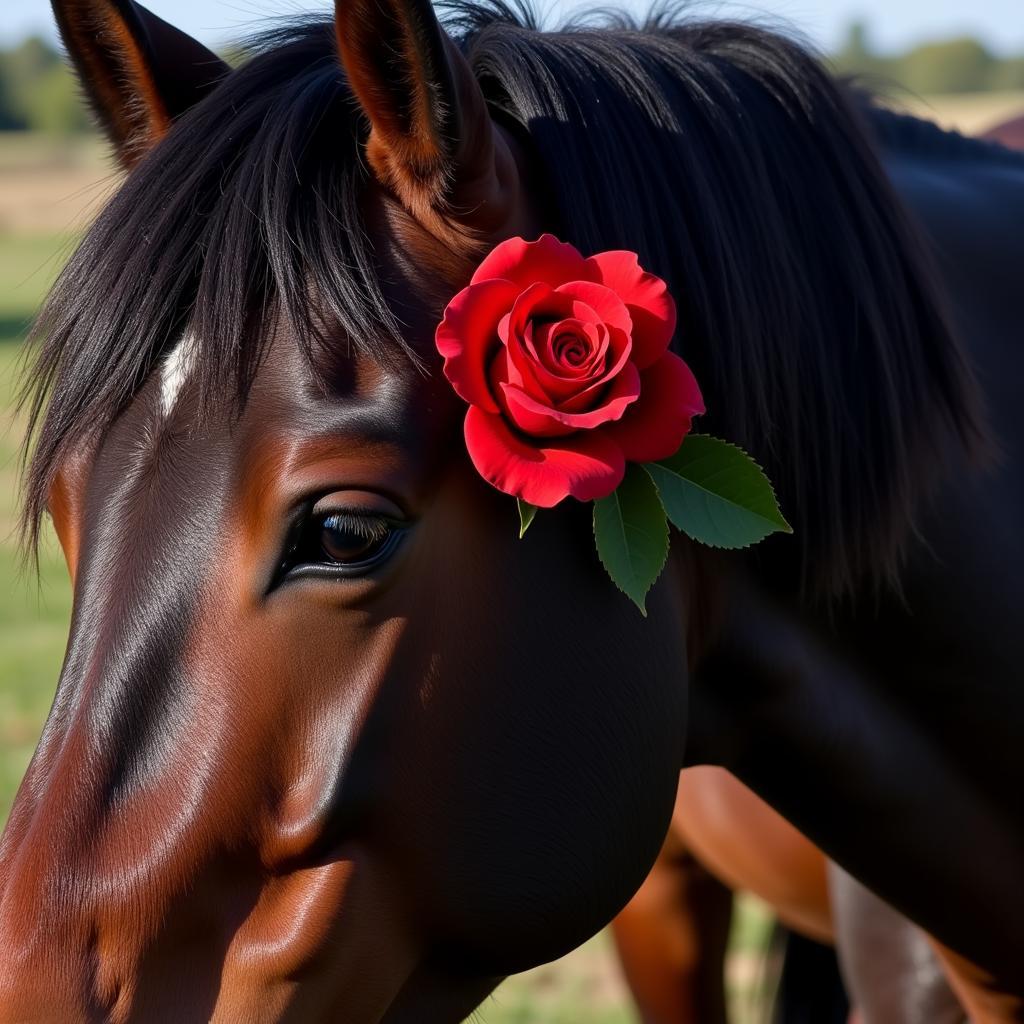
x: 331, y: 741
x: 833, y: 935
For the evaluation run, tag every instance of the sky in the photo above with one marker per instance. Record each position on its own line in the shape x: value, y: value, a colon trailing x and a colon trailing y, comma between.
x: 893, y: 24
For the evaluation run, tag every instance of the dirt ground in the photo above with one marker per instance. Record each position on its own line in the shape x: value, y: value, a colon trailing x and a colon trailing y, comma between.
x: 52, y: 186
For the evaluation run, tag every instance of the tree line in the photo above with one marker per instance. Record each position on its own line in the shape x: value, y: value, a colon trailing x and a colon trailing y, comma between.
x: 958, y: 65
x: 38, y: 93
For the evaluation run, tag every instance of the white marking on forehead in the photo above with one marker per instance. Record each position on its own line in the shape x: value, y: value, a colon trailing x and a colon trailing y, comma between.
x: 177, y: 366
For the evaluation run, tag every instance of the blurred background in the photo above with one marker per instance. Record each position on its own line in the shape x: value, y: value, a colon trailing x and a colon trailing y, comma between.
x: 960, y: 64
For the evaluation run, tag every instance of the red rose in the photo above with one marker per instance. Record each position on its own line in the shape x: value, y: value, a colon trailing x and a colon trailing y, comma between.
x: 565, y: 365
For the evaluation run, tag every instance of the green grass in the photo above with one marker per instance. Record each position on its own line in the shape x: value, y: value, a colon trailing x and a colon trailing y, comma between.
x: 583, y: 987
x: 28, y: 265
x: 34, y: 611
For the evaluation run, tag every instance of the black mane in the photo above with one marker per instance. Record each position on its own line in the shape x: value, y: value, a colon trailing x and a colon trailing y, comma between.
x: 747, y: 176
x: 723, y: 154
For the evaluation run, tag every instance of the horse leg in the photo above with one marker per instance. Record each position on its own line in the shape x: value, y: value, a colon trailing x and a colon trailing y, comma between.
x: 672, y: 935
x: 672, y: 939
x: 901, y: 974
x: 750, y: 846
x: 890, y: 967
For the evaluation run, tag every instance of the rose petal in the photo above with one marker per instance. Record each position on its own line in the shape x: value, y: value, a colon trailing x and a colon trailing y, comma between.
x: 517, y: 363
x: 527, y: 348
x: 610, y: 309
x: 467, y: 334
x: 620, y: 353
x: 538, y: 420
x: 585, y: 466
x: 552, y: 390
x: 547, y: 260
x: 562, y: 383
x: 646, y: 297
x: 511, y: 366
x: 541, y: 302
x: 524, y: 307
x: 590, y: 338
x: 654, y: 426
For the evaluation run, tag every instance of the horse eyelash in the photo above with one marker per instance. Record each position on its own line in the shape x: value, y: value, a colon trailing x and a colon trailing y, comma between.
x: 369, y: 527
x: 373, y: 528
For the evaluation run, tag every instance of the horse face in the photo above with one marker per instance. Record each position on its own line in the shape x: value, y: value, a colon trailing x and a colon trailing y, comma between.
x: 327, y: 729
x: 329, y: 738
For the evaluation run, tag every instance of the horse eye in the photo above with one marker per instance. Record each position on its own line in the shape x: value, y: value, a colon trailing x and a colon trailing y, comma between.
x: 346, y: 539
x: 341, y: 544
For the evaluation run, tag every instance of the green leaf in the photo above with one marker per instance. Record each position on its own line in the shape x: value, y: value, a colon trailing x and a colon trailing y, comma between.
x: 632, y: 535
x: 526, y: 514
x: 717, y: 494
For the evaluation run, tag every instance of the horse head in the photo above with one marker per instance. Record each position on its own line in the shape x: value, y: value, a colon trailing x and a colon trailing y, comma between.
x: 328, y: 738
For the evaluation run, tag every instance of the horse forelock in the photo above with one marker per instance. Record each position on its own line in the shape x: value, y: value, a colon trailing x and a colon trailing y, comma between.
x: 249, y: 218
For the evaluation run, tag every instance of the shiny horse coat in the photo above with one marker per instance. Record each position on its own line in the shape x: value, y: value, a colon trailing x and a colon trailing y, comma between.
x: 329, y: 740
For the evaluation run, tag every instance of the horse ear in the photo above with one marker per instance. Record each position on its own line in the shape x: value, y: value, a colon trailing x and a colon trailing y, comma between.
x: 138, y: 72
x: 432, y: 141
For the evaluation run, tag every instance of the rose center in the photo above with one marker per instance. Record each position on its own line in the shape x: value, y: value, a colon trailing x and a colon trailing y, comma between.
x: 570, y: 348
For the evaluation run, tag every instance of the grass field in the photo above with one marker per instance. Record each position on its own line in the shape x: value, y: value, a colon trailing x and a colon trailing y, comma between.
x: 47, y: 192
x: 33, y: 612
